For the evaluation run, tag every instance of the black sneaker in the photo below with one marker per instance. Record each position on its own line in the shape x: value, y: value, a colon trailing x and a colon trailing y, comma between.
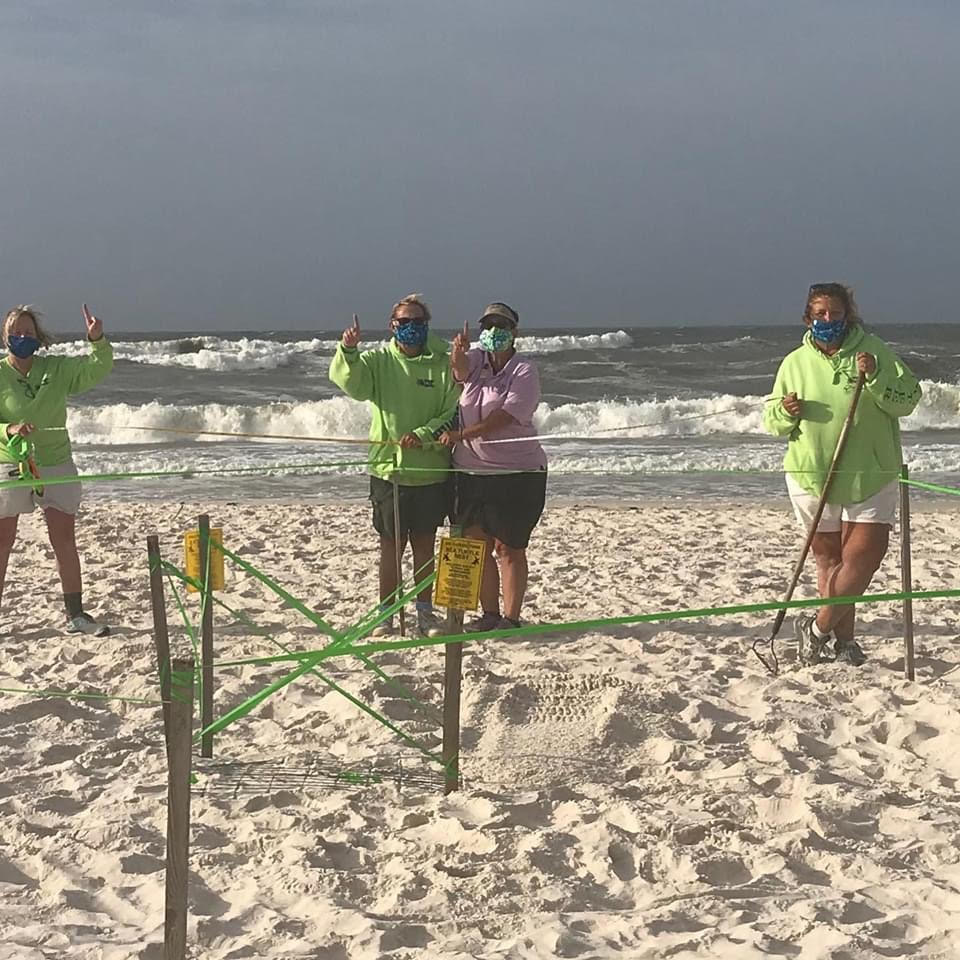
x: 849, y: 651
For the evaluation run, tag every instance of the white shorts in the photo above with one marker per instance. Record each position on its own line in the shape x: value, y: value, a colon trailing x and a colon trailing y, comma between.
x: 64, y: 497
x: 880, y: 508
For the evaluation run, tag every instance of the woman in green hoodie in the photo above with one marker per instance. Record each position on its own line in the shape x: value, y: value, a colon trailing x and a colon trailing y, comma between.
x: 414, y: 397
x: 811, y: 398
x: 34, y: 444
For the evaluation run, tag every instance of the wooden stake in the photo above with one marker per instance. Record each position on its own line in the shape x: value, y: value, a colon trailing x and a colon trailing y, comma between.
x: 206, y: 639
x: 906, y: 575
x: 398, y: 551
x: 179, y: 746
x: 161, y: 636
x: 452, y: 679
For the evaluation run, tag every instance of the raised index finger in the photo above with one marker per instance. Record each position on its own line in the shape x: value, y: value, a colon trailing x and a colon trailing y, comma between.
x: 466, y: 330
x: 87, y: 315
x: 356, y: 323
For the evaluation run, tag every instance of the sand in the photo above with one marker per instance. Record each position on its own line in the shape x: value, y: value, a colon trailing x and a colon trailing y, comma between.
x: 638, y: 792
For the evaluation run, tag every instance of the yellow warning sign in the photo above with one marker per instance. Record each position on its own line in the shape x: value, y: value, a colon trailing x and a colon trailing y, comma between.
x: 459, y: 572
x: 191, y: 558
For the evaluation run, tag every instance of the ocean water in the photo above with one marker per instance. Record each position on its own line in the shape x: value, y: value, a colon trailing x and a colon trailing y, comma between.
x: 637, y: 413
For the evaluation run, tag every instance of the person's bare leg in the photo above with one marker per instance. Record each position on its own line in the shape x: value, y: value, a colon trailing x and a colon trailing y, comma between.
x: 490, y: 583
x: 8, y: 536
x: 864, y: 546
x: 388, y: 568
x: 62, y: 530
x: 423, y: 546
x: 828, y: 554
x: 513, y: 574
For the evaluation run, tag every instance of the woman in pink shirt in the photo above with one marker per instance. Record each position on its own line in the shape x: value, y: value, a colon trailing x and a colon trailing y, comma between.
x: 501, y: 468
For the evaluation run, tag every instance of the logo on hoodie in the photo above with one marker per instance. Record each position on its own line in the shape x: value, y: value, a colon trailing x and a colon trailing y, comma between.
x: 424, y: 382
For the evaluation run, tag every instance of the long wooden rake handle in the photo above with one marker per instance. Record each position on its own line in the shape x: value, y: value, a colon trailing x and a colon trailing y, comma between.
x: 815, y: 522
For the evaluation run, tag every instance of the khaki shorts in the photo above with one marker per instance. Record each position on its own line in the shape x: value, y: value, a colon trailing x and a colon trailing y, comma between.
x: 64, y: 497
x: 880, y: 508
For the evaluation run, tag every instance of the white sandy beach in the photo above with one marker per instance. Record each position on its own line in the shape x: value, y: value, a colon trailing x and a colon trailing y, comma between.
x: 639, y: 792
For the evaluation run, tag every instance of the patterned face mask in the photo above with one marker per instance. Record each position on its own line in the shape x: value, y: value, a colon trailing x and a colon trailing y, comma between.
x: 495, y: 339
x: 829, y: 331
x: 411, y: 334
x: 23, y: 347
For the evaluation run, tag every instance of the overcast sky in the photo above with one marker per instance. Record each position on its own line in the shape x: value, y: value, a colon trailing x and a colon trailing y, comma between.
x: 238, y: 164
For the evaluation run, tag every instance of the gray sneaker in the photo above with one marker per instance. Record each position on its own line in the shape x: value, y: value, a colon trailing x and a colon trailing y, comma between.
x: 810, y: 647
x: 849, y: 651
x: 384, y: 629
x: 429, y: 624
x: 84, y: 623
x: 489, y: 621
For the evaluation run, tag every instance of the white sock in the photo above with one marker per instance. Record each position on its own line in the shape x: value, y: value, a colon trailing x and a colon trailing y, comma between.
x: 818, y: 633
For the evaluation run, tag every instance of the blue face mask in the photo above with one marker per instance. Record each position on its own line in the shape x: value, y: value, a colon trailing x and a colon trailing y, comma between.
x: 829, y: 331
x: 411, y: 334
x: 23, y: 347
x: 495, y: 339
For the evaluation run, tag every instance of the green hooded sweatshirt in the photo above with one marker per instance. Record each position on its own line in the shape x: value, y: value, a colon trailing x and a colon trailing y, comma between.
x: 409, y: 395
x: 824, y: 385
x: 40, y: 397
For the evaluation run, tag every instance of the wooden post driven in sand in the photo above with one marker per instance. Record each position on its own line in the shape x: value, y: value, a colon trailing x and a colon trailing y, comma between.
x: 179, y: 747
x: 161, y: 636
x: 206, y: 638
x: 398, y: 554
x: 452, y: 678
x: 906, y: 574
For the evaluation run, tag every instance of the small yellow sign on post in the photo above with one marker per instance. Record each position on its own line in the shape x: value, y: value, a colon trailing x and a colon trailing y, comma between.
x: 459, y: 572
x: 191, y: 558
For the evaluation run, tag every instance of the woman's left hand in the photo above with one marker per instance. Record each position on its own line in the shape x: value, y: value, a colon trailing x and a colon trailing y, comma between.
x: 94, y: 324
x: 449, y: 438
x: 409, y: 440
x: 867, y: 363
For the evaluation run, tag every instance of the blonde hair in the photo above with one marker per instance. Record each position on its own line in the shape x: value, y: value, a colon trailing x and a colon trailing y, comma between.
x: 412, y: 299
x: 25, y: 310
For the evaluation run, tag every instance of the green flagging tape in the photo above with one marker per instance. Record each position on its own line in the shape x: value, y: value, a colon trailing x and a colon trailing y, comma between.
x: 242, y: 616
x: 707, y: 471
x: 936, y: 488
x: 579, y: 626
x: 153, y: 474
x: 405, y: 694
x: 385, y: 614
x: 180, y: 686
x: 248, y: 705
x: 192, y: 633
x: 77, y: 695
x: 377, y: 716
x: 312, y: 616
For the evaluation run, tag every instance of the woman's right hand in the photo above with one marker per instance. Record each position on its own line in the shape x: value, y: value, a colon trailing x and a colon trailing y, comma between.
x: 791, y: 404
x: 351, y: 336
x: 19, y: 429
x: 461, y: 344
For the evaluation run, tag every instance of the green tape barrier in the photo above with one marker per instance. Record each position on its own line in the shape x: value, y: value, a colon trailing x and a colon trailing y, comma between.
x: 311, y: 615
x: 936, y: 488
x: 156, y: 474
x: 248, y: 705
x: 580, y: 626
x: 253, y: 702
x: 78, y: 695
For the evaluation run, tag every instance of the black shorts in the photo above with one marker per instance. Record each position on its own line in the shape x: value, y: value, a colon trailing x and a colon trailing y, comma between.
x: 422, y: 509
x: 505, y: 505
